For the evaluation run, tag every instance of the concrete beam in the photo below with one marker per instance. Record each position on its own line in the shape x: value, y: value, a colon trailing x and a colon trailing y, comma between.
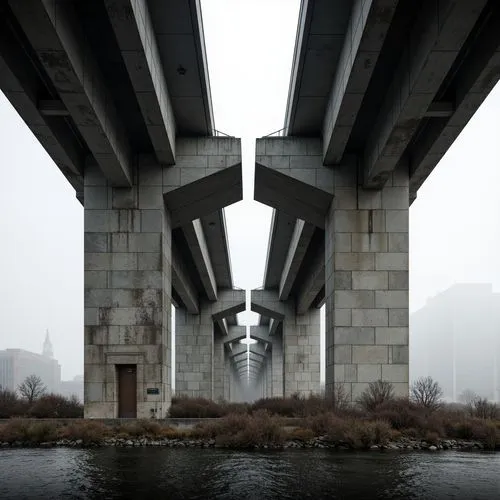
x: 290, y: 176
x: 475, y: 78
x: 22, y: 84
x: 238, y: 350
x: 313, y: 283
x: 235, y: 334
x: 223, y: 326
x: 273, y: 326
x: 182, y: 283
x: 260, y: 333
x: 133, y: 28
x: 250, y: 362
x: 363, y: 41
x: 267, y: 303
x: 52, y: 107
x: 257, y: 351
x: 56, y: 35
x: 301, y: 238
x: 195, y: 237
x: 438, y: 34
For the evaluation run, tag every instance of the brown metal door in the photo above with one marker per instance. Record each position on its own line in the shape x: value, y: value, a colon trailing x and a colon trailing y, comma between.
x: 127, y: 391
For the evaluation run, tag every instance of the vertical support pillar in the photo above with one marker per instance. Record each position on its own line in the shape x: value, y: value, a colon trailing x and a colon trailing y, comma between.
x: 127, y: 297
x: 194, y: 351
x: 227, y: 378
x: 301, y: 339
x: 277, y: 367
x: 269, y: 375
x: 218, y: 368
x: 366, y: 267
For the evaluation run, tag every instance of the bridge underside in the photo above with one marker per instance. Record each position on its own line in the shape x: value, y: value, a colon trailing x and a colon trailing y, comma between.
x: 379, y: 91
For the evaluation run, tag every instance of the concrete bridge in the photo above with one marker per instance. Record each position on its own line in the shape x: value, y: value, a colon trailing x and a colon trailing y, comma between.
x: 118, y: 93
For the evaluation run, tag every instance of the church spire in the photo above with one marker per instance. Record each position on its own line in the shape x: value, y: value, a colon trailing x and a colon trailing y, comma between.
x: 47, y: 346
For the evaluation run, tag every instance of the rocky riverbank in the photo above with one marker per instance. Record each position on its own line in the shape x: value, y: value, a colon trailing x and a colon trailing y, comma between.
x: 318, y: 442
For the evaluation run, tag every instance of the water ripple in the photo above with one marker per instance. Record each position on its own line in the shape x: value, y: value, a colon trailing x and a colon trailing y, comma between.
x: 205, y: 474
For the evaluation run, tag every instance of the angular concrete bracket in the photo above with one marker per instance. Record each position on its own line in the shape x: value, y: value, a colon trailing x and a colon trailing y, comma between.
x: 235, y: 334
x: 267, y: 303
x: 206, y: 177
x: 258, y: 350
x: 238, y: 350
x: 289, y: 179
x: 260, y: 333
x: 230, y: 302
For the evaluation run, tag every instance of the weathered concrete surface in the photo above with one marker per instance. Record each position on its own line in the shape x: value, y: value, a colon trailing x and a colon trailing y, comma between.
x: 127, y: 282
x: 363, y: 270
x: 199, y: 350
x: 366, y: 264
x: 296, y: 358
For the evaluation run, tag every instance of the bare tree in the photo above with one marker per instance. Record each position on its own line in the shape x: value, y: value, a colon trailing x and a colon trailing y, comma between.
x: 426, y: 392
x: 377, y: 393
x: 484, y: 409
x: 468, y: 397
x: 338, y: 397
x: 32, y: 388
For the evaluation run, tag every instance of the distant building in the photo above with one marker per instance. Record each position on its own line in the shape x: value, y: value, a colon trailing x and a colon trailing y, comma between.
x: 73, y: 388
x: 17, y: 364
x: 455, y: 338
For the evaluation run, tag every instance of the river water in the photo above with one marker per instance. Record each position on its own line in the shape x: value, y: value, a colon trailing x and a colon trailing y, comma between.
x: 165, y: 473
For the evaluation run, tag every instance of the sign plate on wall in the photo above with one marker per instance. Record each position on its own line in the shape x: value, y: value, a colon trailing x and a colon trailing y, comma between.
x: 153, y: 390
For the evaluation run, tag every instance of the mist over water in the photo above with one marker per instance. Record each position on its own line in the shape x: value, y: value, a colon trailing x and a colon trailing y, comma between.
x: 203, y: 474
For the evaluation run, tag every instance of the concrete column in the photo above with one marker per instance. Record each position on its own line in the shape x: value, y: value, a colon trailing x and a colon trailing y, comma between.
x: 301, y: 338
x: 366, y: 268
x: 127, y: 300
x: 277, y: 367
x: 227, y: 377
x: 194, y: 354
x: 269, y: 375
x: 218, y: 393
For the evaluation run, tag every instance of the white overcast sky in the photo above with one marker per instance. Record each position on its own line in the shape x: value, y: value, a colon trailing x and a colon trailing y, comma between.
x: 454, y: 223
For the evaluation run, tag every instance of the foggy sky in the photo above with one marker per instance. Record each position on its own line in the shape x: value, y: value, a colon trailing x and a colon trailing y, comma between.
x: 454, y: 223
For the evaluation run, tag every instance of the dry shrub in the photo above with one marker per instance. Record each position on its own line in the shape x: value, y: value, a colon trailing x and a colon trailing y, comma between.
x: 41, y: 432
x: 359, y: 434
x: 174, y: 433
x: 286, y: 407
x: 432, y: 438
x: 243, y: 431
x: 484, y: 409
x: 376, y: 394
x: 56, y: 406
x: 228, y: 408
x: 400, y: 413
x: 11, y: 405
x: 482, y: 430
x: 300, y: 434
x: 296, y: 406
x: 88, y: 431
x: 185, y: 407
x: 140, y: 428
x: 14, y: 430
x: 324, y: 423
